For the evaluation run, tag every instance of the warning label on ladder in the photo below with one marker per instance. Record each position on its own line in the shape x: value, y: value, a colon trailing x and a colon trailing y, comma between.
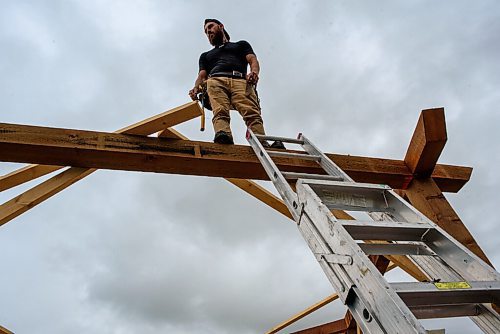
x: 452, y: 285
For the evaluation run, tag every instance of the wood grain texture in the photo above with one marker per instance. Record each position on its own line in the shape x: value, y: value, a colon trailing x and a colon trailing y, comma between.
x: 22, y: 203
x: 427, y: 142
x: 334, y: 327
x: 4, y: 330
x: 34, y: 196
x: 102, y: 150
x: 145, y: 127
x: 250, y: 187
x: 25, y: 174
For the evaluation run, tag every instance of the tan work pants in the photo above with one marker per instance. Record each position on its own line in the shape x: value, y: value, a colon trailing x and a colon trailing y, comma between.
x: 226, y: 92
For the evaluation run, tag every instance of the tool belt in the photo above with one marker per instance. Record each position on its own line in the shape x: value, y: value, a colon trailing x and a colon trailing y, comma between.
x: 203, y: 95
x: 233, y: 74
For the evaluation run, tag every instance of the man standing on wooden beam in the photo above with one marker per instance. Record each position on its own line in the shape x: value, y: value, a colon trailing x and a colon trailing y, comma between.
x: 224, y: 71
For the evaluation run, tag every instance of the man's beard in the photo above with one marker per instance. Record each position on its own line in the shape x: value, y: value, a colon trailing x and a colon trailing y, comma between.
x: 217, y: 39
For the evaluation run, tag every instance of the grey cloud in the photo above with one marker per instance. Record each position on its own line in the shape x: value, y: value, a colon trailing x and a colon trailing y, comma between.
x: 126, y: 252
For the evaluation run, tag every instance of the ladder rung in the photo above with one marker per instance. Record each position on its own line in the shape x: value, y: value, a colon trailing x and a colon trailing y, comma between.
x: 445, y: 311
x: 385, y: 230
x: 417, y: 294
x: 283, y: 139
x: 294, y: 176
x: 353, y: 196
x: 294, y: 155
x: 395, y: 249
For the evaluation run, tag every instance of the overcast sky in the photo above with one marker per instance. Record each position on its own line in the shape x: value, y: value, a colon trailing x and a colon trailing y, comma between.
x: 124, y: 252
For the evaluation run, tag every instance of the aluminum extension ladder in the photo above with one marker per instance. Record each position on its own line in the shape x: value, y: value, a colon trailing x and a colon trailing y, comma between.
x: 460, y: 283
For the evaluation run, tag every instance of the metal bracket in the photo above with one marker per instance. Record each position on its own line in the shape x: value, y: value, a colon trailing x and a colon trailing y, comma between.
x: 335, y: 258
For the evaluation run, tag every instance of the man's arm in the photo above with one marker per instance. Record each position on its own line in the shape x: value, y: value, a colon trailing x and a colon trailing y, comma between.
x: 202, y: 76
x: 253, y: 76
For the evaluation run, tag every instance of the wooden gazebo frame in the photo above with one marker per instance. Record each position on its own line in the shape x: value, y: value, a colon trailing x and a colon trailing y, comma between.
x: 152, y: 145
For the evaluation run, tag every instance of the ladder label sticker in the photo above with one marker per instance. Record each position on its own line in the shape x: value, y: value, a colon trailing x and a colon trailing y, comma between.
x: 345, y: 199
x: 452, y: 285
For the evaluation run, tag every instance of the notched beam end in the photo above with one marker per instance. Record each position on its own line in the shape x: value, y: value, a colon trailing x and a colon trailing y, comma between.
x: 427, y: 142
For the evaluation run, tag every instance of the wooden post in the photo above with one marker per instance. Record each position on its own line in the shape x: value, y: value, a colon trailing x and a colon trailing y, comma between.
x: 426, y: 145
x: 427, y: 142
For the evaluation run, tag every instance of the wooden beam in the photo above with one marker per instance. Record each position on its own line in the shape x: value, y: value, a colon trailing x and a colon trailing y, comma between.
x: 334, y: 327
x: 145, y: 127
x: 304, y: 313
x: 408, y: 266
x: 164, y: 120
x: 92, y: 149
x: 250, y: 187
x: 38, y: 194
x: 262, y: 194
x: 426, y: 197
x: 352, y: 326
x: 4, y: 330
x: 52, y: 186
x: 22, y: 203
x: 427, y: 142
x: 310, y: 310
x: 25, y: 174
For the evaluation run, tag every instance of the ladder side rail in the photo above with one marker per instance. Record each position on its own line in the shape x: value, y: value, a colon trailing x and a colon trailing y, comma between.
x: 328, y: 165
x: 383, y: 302
x: 284, y: 189
x: 456, y: 255
x: 488, y: 320
x: 320, y: 247
x: 466, y: 263
x: 352, y: 297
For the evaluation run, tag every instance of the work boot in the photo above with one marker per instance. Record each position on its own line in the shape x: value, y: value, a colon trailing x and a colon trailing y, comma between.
x: 278, y: 144
x: 222, y: 137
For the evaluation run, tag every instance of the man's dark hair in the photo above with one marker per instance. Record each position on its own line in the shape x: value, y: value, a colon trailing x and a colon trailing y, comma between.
x: 219, y: 23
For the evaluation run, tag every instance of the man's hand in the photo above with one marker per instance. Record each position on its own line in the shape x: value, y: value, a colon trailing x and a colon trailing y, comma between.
x: 193, y: 93
x: 200, y: 80
x: 252, y: 78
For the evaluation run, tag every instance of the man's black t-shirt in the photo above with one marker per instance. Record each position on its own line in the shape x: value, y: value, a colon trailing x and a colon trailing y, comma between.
x: 226, y: 58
